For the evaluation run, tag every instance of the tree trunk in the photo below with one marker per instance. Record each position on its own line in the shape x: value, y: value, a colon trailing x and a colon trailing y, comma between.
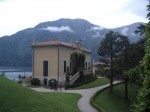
x: 126, y: 78
x: 126, y: 89
x: 111, y: 85
x: 111, y: 67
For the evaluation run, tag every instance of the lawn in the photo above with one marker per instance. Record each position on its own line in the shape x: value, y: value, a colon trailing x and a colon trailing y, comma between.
x: 16, y: 98
x: 107, y: 102
x: 95, y: 83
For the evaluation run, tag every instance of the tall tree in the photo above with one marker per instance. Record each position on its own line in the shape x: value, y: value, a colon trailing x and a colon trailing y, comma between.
x: 110, y: 46
x: 74, y: 61
x: 143, y: 98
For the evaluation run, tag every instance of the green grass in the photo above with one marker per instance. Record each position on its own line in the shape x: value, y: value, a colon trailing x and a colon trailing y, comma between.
x: 107, y: 102
x: 95, y: 83
x: 16, y: 98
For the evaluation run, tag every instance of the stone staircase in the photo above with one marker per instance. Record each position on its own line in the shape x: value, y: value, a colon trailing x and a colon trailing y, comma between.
x: 27, y: 79
x: 74, y: 78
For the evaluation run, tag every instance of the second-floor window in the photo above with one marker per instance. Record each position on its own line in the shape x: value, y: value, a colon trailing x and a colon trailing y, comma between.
x: 45, y: 68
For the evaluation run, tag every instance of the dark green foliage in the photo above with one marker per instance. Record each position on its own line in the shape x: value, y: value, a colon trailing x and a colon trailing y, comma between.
x: 111, y: 46
x: 143, y: 98
x: 67, y: 76
x: 2, y: 74
x: 81, y: 76
x: 81, y: 61
x: 78, y: 61
x: 86, y: 79
x: 35, y: 81
x: 140, y: 29
x: 135, y: 74
x: 51, y: 82
x: 73, y: 59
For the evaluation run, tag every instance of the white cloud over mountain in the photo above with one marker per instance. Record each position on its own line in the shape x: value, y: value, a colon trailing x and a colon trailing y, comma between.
x: 58, y: 29
x: 95, y: 28
x: 124, y: 31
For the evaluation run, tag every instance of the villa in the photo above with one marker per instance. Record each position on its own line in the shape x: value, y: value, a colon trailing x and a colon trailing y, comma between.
x: 52, y: 58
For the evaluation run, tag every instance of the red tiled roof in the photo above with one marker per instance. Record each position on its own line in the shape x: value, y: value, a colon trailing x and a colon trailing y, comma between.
x: 57, y: 43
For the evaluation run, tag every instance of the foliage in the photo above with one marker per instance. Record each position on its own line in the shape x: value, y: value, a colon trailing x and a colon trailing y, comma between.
x: 17, y: 98
x: 3, y: 74
x: 35, y: 81
x: 86, y: 79
x: 73, y: 59
x: 51, y: 82
x: 140, y: 29
x: 111, y: 45
x: 135, y: 74
x: 78, y: 61
x: 134, y: 54
x: 143, y: 98
x: 81, y: 61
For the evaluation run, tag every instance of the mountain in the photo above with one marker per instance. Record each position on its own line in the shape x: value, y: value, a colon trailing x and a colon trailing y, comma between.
x: 15, y: 49
x: 129, y: 30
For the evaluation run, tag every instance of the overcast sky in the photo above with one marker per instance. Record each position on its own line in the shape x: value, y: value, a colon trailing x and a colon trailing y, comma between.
x: 17, y: 15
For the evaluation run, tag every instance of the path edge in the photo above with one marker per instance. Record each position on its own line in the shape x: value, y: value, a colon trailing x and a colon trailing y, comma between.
x: 92, y: 98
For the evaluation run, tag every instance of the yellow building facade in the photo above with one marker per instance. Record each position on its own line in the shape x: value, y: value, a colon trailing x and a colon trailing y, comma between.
x: 51, y: 59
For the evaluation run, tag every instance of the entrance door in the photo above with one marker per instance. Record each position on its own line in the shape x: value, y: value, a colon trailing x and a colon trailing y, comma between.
x: 45, y: 82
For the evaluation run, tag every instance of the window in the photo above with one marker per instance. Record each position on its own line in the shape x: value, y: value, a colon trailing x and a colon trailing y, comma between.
x: 64, y: 66
x: 45, y: 68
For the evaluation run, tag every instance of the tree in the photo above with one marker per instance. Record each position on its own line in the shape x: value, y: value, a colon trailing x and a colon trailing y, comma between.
x: 143, y: 97
x: 78, y: 61
x: 73, y: 59
x: 81, y: 62
x: 128, y: 58
x: 141, y: 29
x: 111, y: 45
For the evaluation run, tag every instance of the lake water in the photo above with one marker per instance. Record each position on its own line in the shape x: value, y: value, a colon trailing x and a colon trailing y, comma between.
x: 12, y: 73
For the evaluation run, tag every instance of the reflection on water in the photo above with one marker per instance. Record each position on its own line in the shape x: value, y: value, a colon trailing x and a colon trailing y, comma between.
x: 12, y: 73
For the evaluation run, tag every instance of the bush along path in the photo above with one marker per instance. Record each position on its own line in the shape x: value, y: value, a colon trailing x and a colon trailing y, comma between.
x: 84, y: 102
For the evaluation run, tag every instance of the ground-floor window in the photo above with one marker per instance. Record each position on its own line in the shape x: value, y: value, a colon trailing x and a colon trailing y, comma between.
x: 45, y: 81
x: 64, y: 66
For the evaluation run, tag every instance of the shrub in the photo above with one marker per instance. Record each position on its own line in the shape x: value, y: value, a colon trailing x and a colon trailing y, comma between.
x: 87, y: 79
x: 19, y: 81
x: 35, y: 81
x: 51, y: 82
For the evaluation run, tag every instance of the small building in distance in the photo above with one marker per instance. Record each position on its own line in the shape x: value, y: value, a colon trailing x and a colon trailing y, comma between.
x: 52, y: 58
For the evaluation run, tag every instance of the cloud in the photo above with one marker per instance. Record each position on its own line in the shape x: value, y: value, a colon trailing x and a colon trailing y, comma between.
x: 95, y: 28
x: 106, y: 13
x: 97, y: 35
x: 2, y: 0
x: 133, y: 34
x: 137, y: 7
x: 58, y: 29
x: 124, y: 31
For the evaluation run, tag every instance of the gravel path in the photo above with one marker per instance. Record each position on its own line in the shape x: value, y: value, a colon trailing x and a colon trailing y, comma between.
x: 84, y: 102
